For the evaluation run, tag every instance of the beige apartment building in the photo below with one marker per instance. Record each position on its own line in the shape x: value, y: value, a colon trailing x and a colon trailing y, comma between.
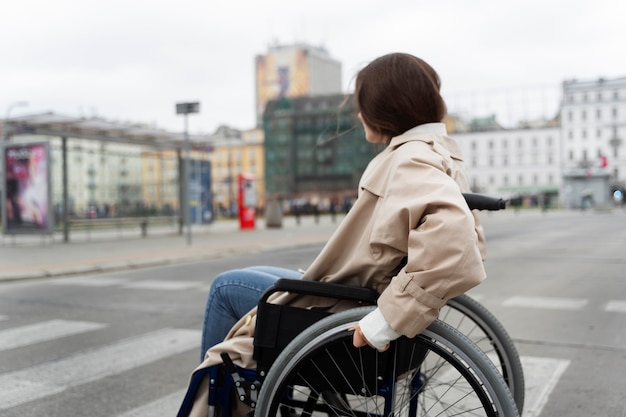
x: 236, y: 152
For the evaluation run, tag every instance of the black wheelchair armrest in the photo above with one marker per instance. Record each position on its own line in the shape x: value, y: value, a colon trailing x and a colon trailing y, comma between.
x: 322, y: 289
x: 484, y: 202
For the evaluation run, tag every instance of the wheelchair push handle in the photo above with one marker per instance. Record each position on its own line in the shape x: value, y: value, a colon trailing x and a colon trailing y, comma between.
x: 322, y: 289
x: 477, y: 201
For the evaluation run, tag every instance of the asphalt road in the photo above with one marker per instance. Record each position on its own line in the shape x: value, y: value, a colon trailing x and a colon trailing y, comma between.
x: 124, y: 343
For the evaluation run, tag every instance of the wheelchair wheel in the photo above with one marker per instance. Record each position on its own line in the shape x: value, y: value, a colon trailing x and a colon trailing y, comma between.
x: 477, y: 323
x: 439, y: 372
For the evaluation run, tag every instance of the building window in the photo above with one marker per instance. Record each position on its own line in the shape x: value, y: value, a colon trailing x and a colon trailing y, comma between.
x: 598, y: 114
x: 570, y: 115
x: 583, y: 115
x: 614, y: 112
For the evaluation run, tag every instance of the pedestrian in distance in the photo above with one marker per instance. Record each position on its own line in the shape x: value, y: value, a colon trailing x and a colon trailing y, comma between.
x: 409, y: 235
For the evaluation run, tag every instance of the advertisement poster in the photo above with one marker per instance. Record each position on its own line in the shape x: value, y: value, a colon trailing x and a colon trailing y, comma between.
x: 26, y: 189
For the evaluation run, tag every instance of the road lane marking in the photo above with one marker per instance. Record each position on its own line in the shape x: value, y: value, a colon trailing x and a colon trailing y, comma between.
x: 616, y: 306
x: 44, y: 331
x: 162, y: 285
x: 30, y: 384
x: 90, y: 281
x: 167, y: 406
x: 552, y: 303
x: 540, y: 377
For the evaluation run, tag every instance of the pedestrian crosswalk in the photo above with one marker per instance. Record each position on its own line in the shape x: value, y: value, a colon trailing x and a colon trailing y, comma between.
x: 33, y: 383
x: 43, y: 380
x: 51, y: 378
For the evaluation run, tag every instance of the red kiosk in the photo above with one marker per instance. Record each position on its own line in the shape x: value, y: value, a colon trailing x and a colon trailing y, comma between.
x: 247, y: 200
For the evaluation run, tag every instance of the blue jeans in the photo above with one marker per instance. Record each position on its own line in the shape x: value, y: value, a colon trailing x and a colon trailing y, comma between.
x: 232, y: 295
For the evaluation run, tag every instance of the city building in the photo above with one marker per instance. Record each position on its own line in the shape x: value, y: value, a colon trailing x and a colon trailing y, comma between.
x: 315, y: 150
x: 593, y: 128
x: 294, y: 71
x: 512, y: 163
x: 236, y: 152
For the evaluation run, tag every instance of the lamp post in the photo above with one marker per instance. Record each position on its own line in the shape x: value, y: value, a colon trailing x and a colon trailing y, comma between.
x: 7, y: 114
x: 186, y: 109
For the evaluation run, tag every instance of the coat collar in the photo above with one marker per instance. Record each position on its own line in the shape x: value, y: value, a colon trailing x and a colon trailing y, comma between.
x: 430, y: 133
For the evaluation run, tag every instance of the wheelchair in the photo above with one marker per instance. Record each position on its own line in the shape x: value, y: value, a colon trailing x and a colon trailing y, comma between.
x: 307, y: 366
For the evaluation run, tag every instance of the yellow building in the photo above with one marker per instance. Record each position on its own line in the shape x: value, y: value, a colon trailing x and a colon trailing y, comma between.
x: 160, y: 178
x: 236, y: 152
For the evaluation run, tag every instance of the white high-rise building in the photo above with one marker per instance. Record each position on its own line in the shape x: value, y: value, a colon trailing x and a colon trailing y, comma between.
x: 593, y: 127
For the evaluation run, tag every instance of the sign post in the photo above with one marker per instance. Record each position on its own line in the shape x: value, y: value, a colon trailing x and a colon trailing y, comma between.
x: 185, y: 109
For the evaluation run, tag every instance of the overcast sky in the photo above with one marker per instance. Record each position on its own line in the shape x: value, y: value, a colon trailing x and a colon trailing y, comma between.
x: 132, y: 60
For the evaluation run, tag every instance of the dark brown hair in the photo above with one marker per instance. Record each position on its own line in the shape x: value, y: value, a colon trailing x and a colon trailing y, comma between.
x: 397, y: 92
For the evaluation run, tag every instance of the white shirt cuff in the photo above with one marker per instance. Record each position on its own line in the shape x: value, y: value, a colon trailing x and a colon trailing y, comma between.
x: 376, y: 329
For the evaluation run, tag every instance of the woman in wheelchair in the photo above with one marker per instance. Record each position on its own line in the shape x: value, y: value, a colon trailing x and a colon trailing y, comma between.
x: 410, y: 235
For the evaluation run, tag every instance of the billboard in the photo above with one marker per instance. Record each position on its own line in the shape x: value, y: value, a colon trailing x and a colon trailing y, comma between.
x: 26, y: 189
x: 281, y: 73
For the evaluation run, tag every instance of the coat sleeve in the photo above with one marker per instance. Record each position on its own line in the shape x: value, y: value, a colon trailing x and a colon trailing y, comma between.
x: 439, y: 236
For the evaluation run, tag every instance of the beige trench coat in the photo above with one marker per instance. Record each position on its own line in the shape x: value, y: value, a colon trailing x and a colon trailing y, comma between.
x: 409, y: 205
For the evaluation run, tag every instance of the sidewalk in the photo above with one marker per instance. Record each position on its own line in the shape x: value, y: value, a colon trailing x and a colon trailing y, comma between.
x: 24, y: 256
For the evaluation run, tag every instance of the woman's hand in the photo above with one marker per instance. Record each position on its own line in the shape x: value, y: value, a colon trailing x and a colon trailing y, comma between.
x: 359, y: 340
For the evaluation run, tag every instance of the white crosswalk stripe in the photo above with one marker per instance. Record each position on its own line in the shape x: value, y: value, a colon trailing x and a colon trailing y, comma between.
x: 90, y: 281
x: 616, y: 306
x: 41, y: 332
x: 39, y: 381
x: 162, y: 285
x: 163, y: 407
x: 552, y: 303
x: 541, y: 376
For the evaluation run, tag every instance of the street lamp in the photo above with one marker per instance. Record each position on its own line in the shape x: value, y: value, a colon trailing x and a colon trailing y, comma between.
x: 7, y: 114
x: 185, y: 109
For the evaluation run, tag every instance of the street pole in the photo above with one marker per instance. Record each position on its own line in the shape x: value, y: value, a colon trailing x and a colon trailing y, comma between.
x: 185, y: 109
